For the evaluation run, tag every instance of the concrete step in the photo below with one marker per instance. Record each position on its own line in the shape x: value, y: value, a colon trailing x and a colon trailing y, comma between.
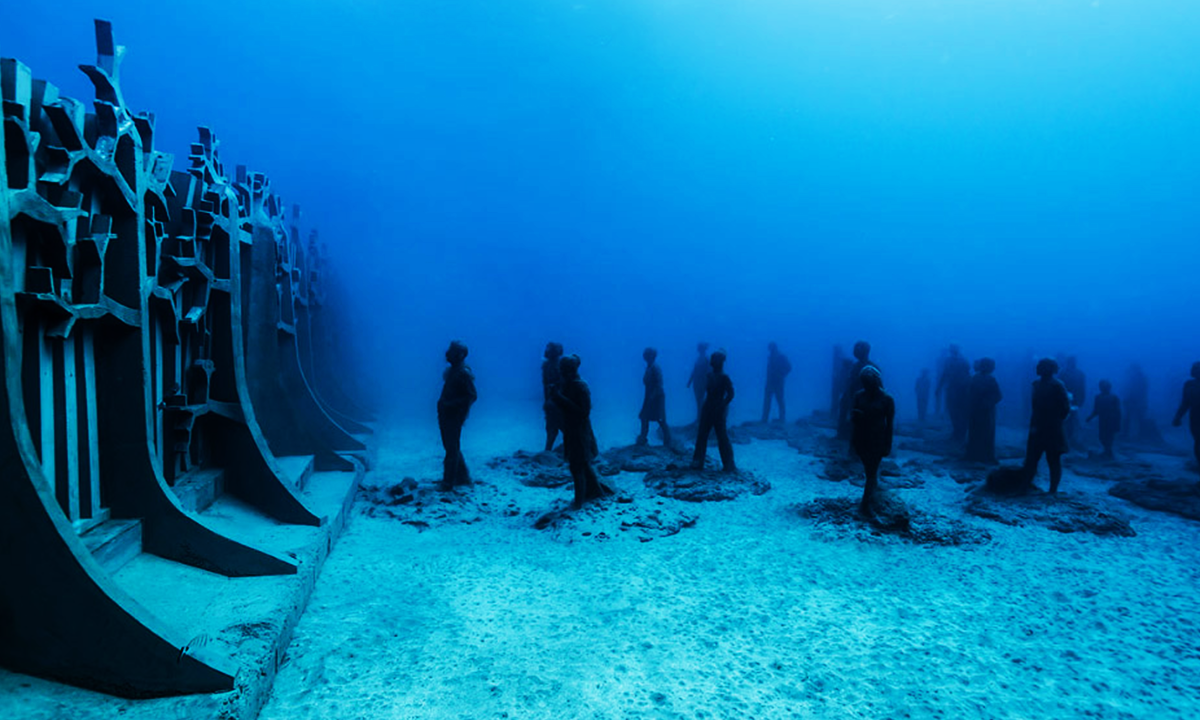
x: 114, y: 543
x: 297, y: 469
x: 199, y: 488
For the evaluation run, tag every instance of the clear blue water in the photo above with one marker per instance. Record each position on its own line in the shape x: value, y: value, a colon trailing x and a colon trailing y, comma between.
x: 1020, y: 176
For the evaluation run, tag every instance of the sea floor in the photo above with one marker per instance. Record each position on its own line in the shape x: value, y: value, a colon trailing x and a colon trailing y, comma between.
x: 464, y: 609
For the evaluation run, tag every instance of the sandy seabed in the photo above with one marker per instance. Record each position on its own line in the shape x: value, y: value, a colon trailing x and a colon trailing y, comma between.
x: 753, y: 612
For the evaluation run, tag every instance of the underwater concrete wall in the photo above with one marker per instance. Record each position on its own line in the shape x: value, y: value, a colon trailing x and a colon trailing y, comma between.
x: 164, y: 341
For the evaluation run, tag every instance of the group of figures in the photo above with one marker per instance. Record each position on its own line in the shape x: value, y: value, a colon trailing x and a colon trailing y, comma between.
x: 864, y: 411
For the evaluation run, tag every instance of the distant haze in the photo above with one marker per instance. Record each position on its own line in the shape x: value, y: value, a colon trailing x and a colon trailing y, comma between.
x: 1022, y: 177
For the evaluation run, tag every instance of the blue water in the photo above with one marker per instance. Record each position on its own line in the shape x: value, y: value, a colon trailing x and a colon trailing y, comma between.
x: 1019, y: 176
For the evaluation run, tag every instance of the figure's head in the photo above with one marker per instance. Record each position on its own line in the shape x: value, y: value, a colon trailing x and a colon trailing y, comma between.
x: 1047, y: 367
x: 649, y: 354
x: 772, y: 348
x: 568, y: 365
x: 1070, y: 362
x: 456, y: 353
x: 702, y: 347
x: 717, y: 360
x: 1196, y: 370
x: 1105, y: 386
x: 955, y: 350
x: 870, y: 378
x: 985, y: 365
x: 553, y: 351
x: 862, y: 350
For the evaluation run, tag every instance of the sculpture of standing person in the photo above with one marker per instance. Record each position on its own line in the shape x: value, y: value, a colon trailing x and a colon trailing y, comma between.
x: 872, y: 419
x: 862, y: 356
x: 454, y: 404
x: 1051, y: 406
x: 924, y: 385
x: 955, y: 383
x: 573, y: 397
x: 698, y: 380
x: 1107, y: 407
x: 984, y: 395
x: 714, y: 413
x: 551, y: 377
x: 778, y: 368
x: 1190, y: 406
x: 654, y: 403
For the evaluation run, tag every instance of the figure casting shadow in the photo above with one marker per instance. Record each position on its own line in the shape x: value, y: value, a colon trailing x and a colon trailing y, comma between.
x: 454, y: 404
x: 1051, y: 406
x: 872, y: 419
x: 574, y: 399
x: 654, y: 402
x: 713, y: 415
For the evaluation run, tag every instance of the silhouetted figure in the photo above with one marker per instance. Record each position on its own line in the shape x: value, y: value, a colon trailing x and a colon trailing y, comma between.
x: 698, y: 380
x: 983, y: 396
x: 550, y: 380
x: 654, y: 403
x: 872, y: 419
x: 1107, y: 407
x: 778, y: 368
x: 1076, y: 383
x: 862, y: 355
x: 955, y: 384
x: 924, y: 385
x: 1190, y: 406
x: 1137, y: 401
x: 717, y: 396
x: 458, y: 394
x: 1051, y: 406
x: 575, y: 400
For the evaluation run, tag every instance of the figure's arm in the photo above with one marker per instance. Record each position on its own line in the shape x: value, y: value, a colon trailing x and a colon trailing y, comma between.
x: 728, y: 390
x: 1095, y: 409
x: 562, y: 401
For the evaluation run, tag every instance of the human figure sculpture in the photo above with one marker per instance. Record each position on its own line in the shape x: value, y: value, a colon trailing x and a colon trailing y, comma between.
x: 983, y: 396
x: 862, y: 358
x: 698, y: 380
x: 954, y: 384
x: 1190, y: 406
x: 1107, y: 407
x: 574, y: 399
x: 872, y: 419
x: 454, y: 404
x: 1076, y: 383
x: 713, y: 414
x: 1051, y: 406
x: 778, y: 368
x: 654, y: 403
x: 551, y: 377
x: 924, y: 385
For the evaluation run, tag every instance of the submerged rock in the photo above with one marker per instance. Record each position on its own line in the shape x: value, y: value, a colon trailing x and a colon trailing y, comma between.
x: 1180, y: 496
x: 543, y: 469
x: 892, y: 475
x: 889, y: 516
x: 744, y: 433
x: 704, y: 485
x: 607, y: 520
x: 1061, y: 513
x: 643, y: 458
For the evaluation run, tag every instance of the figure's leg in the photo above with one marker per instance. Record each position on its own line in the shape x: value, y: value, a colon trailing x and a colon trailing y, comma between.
x: 666, y: 431
x: 643, y: 436
x: 871, y: 470
x: 723, y: 445
x: 576, y: 461
x: 699, y: 395
x: 1033, y: 455
x: 701, y: 442
x: 450, y: 444
x: 1054, y: 460
x: 922, y: 407
x: 1195, y: 427
x: 782, y: 404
